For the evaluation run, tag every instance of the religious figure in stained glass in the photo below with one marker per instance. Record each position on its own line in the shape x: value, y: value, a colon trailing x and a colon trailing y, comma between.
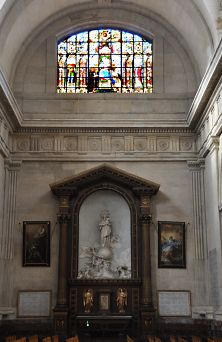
x: 105, y: 60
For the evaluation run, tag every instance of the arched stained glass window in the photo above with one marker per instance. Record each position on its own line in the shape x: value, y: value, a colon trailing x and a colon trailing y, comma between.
x: 105, y: 60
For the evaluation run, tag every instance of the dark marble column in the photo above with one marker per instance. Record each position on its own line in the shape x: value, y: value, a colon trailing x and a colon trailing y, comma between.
x: 147, y: 310
x: 61, y: 309
x: 146, y: 264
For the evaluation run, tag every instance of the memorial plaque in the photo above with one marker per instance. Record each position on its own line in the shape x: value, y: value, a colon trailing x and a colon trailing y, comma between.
x: 174, y: 303
x: 34, y: 303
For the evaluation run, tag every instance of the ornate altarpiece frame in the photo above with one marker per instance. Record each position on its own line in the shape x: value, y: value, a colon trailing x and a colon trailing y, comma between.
x: 139, y: 313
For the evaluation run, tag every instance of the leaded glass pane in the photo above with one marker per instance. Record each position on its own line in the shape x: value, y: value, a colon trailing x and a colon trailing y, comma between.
x: 105, y: 60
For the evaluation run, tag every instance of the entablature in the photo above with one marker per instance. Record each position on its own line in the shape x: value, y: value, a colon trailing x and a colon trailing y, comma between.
x: 104, y: 144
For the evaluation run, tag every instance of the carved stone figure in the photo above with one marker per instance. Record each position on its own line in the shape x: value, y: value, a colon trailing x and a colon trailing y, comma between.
x: 121, y: 300
x: 88, y: 300
x: 101, y: 262
x: 105, y: 228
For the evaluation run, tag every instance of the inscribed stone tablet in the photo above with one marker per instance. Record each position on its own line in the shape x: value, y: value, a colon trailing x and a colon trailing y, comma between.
x: 34, y: 303
x: 174, y: 303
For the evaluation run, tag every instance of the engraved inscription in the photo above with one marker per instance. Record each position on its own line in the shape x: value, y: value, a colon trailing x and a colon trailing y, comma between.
x: 174, y: 303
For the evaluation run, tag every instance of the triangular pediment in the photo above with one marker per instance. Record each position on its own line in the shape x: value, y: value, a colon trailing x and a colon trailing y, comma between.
x: 100, y: 174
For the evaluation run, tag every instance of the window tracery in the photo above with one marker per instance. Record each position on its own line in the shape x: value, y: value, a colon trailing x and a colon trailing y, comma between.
x: 105, y: 60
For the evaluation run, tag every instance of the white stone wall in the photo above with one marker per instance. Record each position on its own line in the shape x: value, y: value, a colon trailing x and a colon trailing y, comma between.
x: 213, y: 230
x: 36, y: 202
x: 209, y: 147
x: 2, y: 179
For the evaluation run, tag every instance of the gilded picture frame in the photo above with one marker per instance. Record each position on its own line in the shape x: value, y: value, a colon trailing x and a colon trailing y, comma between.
x: 36, y: 243
x: 171, y: 244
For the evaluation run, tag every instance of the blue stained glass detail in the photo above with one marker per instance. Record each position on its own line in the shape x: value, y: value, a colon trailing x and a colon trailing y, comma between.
x: 105, y: 60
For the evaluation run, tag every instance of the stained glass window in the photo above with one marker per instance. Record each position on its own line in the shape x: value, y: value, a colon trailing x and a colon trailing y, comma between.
x: 105, y: 60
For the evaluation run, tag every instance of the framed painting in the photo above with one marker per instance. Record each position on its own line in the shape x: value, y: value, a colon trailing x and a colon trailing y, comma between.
x: 171, y: 245
x: 36, y: 243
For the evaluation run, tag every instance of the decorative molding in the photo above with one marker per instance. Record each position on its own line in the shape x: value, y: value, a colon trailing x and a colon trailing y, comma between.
x: 69, y: 186
x: 104, y: 2
x: 100, y: 145
x: 213, y: 144
x: 210, y: 127
x: 8, y: 104
x: 185, y: 144
x: 196, y: 165
x: 13, y: 165
x: 206, y: 89
x: 163, y: 144
x: 95, y: 130
x: 4, y: 137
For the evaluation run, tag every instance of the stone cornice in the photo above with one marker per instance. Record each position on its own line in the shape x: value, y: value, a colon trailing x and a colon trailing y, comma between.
x: 206, y: 88
x: 8, y: 104
x: 4, y: 137
x: 95, y: 130
x: 209, y: 127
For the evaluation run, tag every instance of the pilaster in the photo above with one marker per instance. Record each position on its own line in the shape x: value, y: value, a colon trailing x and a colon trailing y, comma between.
x: 7, y: 236
x: 196, y: 168
x: 9, y: 210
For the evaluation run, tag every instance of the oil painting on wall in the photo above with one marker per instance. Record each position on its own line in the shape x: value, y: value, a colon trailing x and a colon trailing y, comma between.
x: 171, y: 245
x: 36, y: 243
x: 104, y: 237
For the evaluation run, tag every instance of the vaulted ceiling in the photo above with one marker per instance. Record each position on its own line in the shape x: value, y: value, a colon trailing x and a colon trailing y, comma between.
x: 196, y: 22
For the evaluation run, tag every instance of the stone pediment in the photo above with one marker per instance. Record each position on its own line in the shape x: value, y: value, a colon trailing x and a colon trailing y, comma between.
x: 102, y: 174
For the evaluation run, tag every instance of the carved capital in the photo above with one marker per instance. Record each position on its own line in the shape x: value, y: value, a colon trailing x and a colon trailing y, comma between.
x: 145, y: 201
x: 13, y: 165
x: 145, y: 205
x: 214, y: 143
x: 64, y: 202
x: 196, y: 165
x: 64, y: 215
